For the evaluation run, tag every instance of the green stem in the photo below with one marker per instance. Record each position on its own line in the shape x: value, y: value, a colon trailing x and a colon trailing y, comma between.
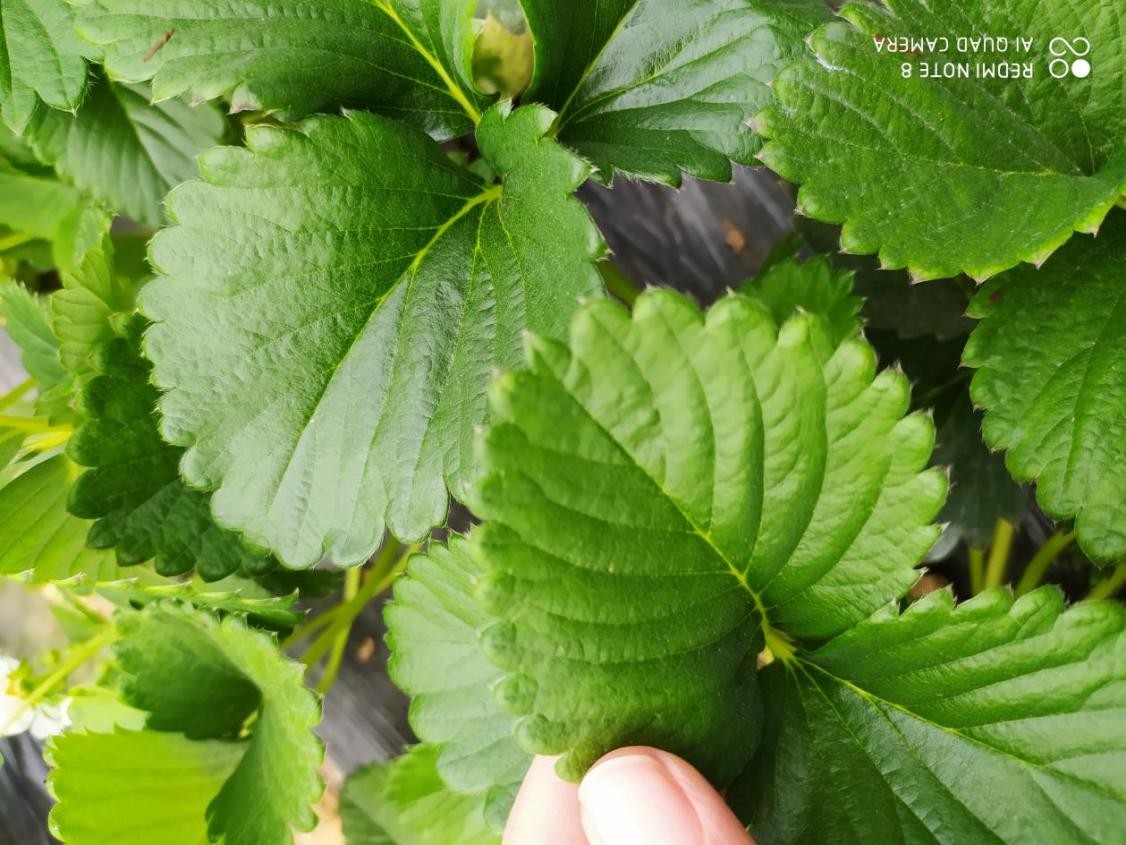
x: 17, y: 393
x: 977, y: 570
x: 32, y: 425
x: 1109, y: 587
x: 17, y: 239
x: 1045, y: 555
x: 998, y: 554
x: 336, y: 655
x: 618, y: 284
x: 82, y: 652
x: 391, y: 561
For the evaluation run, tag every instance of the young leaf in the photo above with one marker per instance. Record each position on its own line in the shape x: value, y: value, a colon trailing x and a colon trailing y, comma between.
x: 664, y: 489
x: 82, y: 312
x: 97, y: 775
x: 404, y: 802
x: 40, y: 59
x: 285, y: 56
x: 650, y: 92
x: 994, y: 721
x: 133, y: 488
x: 38, y: 537
x: 944, y: 176
x: 1051, y: 357
x: 374, y: 299
x: 26, y: 319
x: 45, y: 208
x: 124, y: 150
x: 211, y: 680
x: 791, y: 286
x: 434, y: 635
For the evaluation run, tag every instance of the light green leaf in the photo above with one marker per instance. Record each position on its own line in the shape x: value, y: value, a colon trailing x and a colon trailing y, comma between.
x: 211, y: 680
x: 791, y: 286
x: 288, y: 57
x: 342, y: 394
x: 659, y: 491
x: 83, y: 310
x: 38, y: 537
x: 26, y: 318
x: 97, y: 777
x: 124, y: 150
x: 404, y: 802
x: 43, y: 207
x: 133, y: 489
x: 651, y: 91
x: 996, y: 721
x: 434, y: 636
x: 40, y: 59
x: 944, y: 176
x: 1051, y: 357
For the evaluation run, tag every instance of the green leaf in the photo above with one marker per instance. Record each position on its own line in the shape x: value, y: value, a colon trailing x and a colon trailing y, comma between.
x: 790, y: 286
x: 124, y: 150
x: 981, y: 489
x: 211, y: 680
x: 26, y: 318
x: 404, y: 802
x: 434, y: 636
x: 133, y: 488
x: 1051, y: 357
x: 944, y: 176
x: 993, y: 721
x: 288, y: 57
x: 233, y: 594
x: 82, y: 311
x: 658, y: 493
x: 652, y: 94
x: 97, y: 777
x: 45, y: 208
x: 342, y: 393
x: 40, y: 59
x: 38, y: 537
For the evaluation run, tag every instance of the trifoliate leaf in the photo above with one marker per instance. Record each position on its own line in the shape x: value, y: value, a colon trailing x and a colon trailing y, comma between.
x: 136, y: 787
x: 404, y: 802
x: 434, y: 635
x: 40, y: 59
x: 996, y: 721
x: 790, y: 286
x: 950, y: 175
x: 210, y: 680
x: 652, y: 89
x: 1051, y: 357
x: 26, y: 319
x: 82, y: 312
x: 124, y: 150
x: 658, y: 491
x: 288, y: 57
x: 342, y: 394
x: 981, y: 489
x: 38, y: 537
x: 43, y: 207
x: 133, y: 488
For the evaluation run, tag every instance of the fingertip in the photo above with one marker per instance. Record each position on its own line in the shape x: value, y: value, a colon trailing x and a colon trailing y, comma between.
x: 645, y: 796
x: 546, y: 810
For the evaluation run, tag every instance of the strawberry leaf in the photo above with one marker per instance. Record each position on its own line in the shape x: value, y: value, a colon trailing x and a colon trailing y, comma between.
x: 1051, y: 357
x: 950, y: 175
x: 342, y: 395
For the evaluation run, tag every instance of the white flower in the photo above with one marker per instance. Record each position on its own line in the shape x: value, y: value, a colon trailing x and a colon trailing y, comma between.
x: 42, y: 720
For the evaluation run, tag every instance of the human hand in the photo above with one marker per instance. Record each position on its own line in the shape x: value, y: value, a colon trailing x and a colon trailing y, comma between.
x: 632, y: 796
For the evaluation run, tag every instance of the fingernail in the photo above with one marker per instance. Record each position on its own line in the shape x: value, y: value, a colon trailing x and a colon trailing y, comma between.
x: 633, y: 799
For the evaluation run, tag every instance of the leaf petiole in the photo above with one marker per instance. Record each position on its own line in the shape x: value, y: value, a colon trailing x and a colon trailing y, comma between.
x: 998, y: 554
x: 1110, y: 586
x: 1043, y: 558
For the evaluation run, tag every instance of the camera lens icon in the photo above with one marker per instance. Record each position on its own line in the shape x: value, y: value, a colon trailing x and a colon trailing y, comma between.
x: 1060, y: 66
